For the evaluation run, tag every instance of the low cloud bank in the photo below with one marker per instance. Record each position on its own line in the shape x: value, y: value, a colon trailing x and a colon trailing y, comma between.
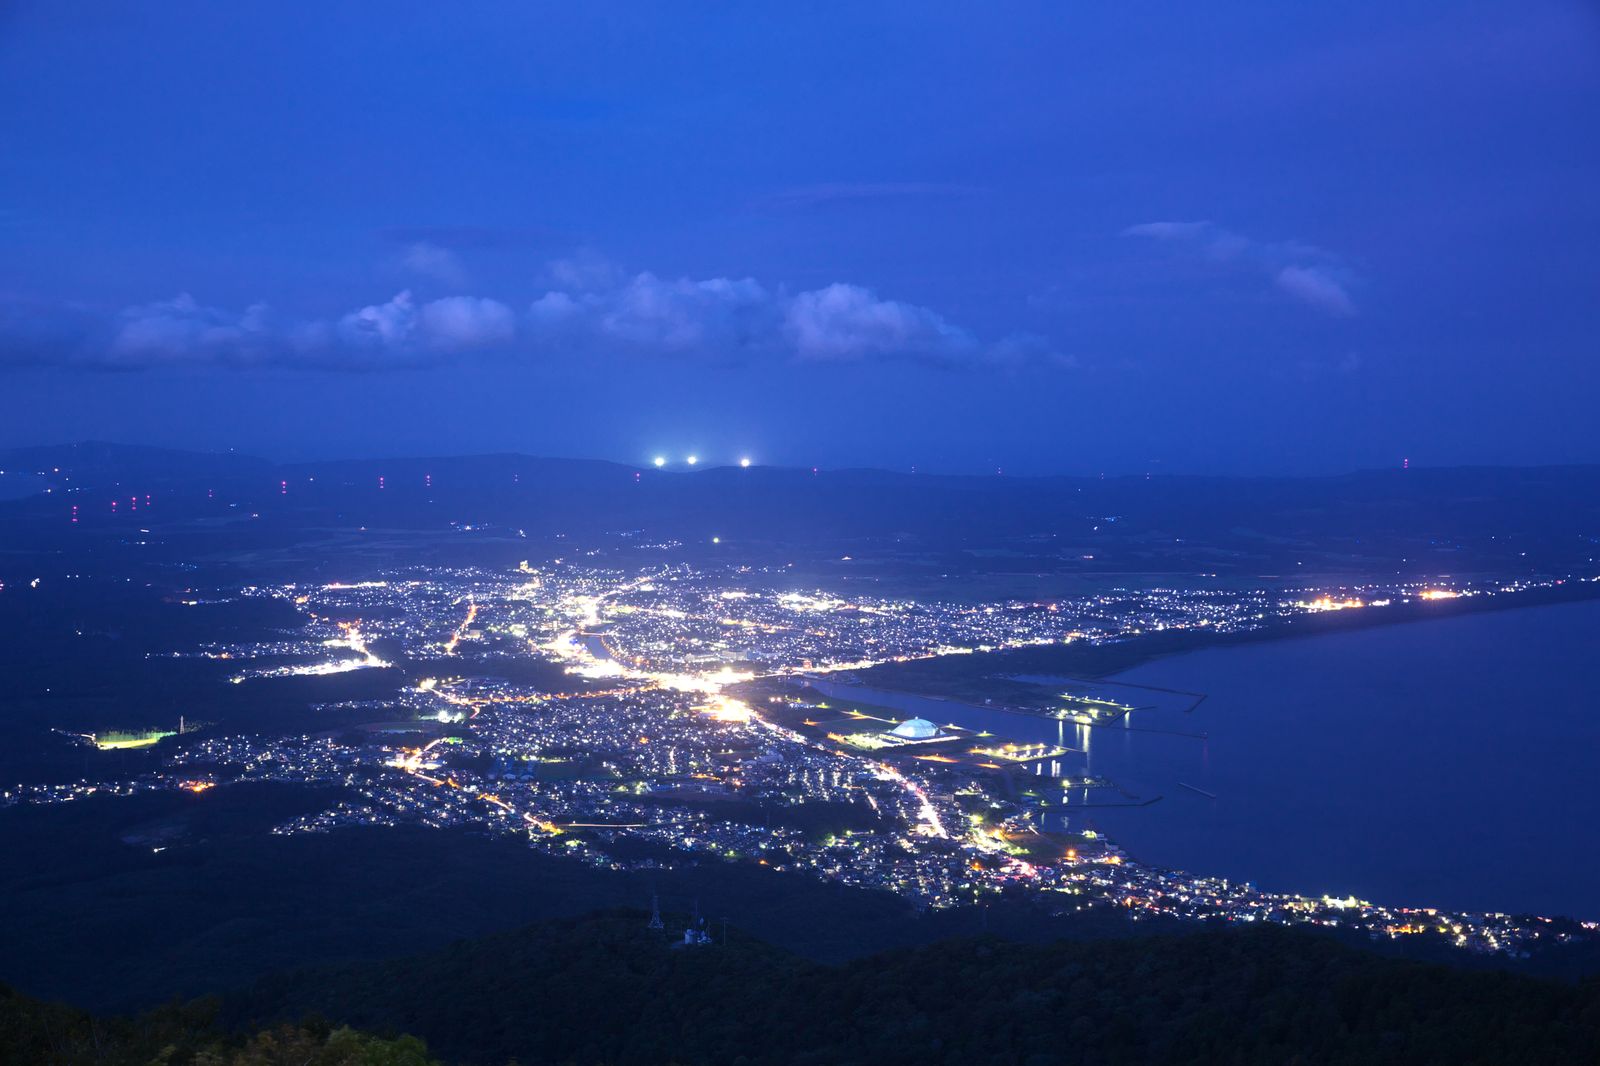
x: 589, y: 308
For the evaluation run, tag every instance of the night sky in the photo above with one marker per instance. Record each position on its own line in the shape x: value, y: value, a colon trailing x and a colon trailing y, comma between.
x: 1233, y: 238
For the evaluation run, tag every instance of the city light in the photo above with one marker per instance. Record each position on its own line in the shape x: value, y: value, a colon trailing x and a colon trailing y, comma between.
x: 727, y: 709
x: 693, y: 459
x: 745, y: 461
x: 1328, y: 603
x: 690, y: 685
x: 660, y: 460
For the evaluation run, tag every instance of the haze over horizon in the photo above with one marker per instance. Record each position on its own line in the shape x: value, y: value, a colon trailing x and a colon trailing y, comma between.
x: 677, y: 463
x: 1250, y: 240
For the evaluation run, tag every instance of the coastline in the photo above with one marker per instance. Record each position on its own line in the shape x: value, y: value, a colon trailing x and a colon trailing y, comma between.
x: 982, y: 675
x: 1571, y: 590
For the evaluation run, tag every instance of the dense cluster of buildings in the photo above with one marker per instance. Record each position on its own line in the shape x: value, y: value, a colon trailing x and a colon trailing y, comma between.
x: 609, y: 716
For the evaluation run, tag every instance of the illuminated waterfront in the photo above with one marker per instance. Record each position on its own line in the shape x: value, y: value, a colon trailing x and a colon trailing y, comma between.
x: 1447, y: 761
x: 1450, y: 761
x: 683, y: 715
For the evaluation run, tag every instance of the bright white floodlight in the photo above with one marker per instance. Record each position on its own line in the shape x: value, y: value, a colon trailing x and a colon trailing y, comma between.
x: 660, y: 460
x: 744, y: 461
x: 693, y: 459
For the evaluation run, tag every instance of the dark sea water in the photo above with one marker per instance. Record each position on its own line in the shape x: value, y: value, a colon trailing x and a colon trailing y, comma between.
x: 1451, y: 763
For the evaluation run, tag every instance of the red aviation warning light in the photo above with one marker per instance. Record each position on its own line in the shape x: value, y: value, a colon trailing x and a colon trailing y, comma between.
x: 74, y: 512
x: 380, y: 481
x: 1405, y: 464
x: 283, y: 488
x: 427, y: 480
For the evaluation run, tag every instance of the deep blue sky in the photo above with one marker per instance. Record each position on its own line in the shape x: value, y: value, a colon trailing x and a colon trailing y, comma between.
x: 1244, y: 237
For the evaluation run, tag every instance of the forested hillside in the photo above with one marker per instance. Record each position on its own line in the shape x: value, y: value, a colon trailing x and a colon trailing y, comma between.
x: 606, y: 990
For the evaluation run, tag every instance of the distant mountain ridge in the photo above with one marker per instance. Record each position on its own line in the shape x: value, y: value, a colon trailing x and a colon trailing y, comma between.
x: 81, y: 458
x: 102, y: 462
x: 1501, y: 519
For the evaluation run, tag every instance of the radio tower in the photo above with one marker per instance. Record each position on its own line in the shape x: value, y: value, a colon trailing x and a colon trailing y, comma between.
x: 655, y: 912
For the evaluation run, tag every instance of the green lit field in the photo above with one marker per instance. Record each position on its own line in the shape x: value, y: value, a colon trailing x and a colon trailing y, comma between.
x: 119, y: 741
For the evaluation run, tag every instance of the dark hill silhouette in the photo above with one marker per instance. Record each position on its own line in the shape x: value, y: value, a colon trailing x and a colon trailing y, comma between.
x: 1445, y: 519
x: 603, y: 988
x: 606, y: 989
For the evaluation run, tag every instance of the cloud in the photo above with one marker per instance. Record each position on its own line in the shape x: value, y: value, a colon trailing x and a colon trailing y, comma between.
x: 734, y: 319
x: 586, y: 270
x: 1314, y: 286
x: 182, y: 330
x: 466, y: 323
x: 402, y: 331
x: 718, y: 318
x: 850, y: 323
x: 719, y: 315
x: 1311, y: 275
x: 597, y: 310
x: 379, y: 326
x: 435, y: 263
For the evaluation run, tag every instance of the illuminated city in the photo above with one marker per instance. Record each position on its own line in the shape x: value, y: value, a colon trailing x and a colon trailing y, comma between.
x: 689, y: 722
x: 880, y: 534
